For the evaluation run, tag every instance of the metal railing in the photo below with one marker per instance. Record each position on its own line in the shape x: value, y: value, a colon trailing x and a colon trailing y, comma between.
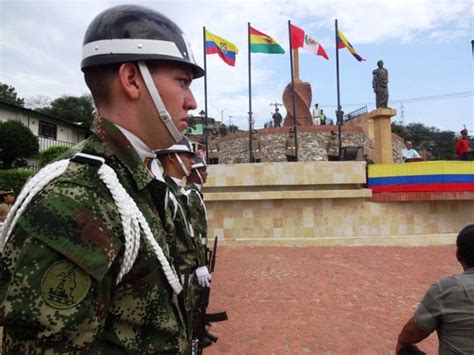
x: 45, y: 143
x: 356, y: 113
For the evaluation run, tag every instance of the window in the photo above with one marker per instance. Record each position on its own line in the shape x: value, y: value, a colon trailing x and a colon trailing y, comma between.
x: 47, y: 130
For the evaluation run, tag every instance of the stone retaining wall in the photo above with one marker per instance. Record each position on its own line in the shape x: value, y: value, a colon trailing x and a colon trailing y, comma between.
x: 312, y: 142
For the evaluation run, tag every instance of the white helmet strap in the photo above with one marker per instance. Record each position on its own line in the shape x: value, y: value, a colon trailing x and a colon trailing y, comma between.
x: 160, y: 106
x: 199, y: 176
x: 183, y: 167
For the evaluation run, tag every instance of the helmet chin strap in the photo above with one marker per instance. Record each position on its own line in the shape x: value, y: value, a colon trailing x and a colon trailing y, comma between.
x: 183, y: 167
x: 200, y: 177
x: 160, y: 106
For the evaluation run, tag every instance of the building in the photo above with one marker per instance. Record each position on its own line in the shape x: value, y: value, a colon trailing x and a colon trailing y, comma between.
x: 51, y: 131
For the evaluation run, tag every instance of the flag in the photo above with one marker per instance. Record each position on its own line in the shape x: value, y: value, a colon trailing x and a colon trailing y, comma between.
x: 262, y: 43
x: 301, y: 39
x: 225, y: 49
x: 342, y: 42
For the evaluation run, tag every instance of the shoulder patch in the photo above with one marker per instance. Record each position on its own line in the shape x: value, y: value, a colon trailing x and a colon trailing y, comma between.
x: 64, y: 285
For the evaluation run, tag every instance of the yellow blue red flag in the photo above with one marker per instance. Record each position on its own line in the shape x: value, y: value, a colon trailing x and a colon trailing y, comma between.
x: 225, y: 49
x: 342, y: 42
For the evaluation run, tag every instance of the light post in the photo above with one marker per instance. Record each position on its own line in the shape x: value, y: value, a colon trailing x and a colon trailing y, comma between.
x: 206, y: 133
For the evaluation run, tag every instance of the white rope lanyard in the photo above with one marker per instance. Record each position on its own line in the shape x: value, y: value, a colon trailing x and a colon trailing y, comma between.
x: 133, y: 221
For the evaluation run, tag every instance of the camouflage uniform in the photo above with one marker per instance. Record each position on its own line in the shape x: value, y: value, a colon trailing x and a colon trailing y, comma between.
x: 256, y: 148
x: 59, y: 268
x: 186, y: 254
x: 198, y: 219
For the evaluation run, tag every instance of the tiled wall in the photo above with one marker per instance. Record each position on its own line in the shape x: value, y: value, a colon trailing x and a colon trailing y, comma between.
x: 321, y: 203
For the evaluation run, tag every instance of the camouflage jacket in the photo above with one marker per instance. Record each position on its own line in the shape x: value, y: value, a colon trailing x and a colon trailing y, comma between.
x: 198, y: 219
x: 187, y: 259
x: 59, y: 268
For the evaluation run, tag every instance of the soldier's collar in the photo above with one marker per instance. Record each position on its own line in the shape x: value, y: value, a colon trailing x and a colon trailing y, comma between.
x: 140, y: 146
x: 122, y: 148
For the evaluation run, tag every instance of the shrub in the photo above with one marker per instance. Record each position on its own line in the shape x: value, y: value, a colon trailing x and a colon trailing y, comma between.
x: 14, y: 179
x: 16, y: 141
x: 50, y: 154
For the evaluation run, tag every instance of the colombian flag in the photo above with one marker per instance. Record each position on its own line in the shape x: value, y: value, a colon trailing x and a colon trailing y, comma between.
x: 262, y: 43
x: 221, y: 46
x: 435, y: 176
x: 342, y: 42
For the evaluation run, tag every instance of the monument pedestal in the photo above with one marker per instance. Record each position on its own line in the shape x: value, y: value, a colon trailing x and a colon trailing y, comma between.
x: 382, y: 134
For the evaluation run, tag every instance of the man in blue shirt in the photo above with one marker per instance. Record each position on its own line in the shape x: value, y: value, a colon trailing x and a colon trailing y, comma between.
x: 409, y: 152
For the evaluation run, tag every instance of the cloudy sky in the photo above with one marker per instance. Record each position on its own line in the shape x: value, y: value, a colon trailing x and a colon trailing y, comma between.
x: 425, y: 45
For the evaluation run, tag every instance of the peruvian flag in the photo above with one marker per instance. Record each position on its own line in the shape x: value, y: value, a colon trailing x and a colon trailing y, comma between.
x: 300, y: 39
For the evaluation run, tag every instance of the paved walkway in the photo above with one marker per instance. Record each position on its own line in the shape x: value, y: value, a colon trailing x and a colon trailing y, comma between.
x: 322, y: 300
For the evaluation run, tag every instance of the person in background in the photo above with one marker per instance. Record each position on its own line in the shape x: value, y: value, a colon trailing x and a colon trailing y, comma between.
x: 290, y: 148
x: 447, y: 307
x: 277, y: 118
x: 177, y: 162
x: 316, y: 115
x: 409, y: 152
x: 462, y: 146
x: 8, y: 197
x: 256, y: 147
x: 332, y: 147
x: 214, y: 147
x: 322, y: 118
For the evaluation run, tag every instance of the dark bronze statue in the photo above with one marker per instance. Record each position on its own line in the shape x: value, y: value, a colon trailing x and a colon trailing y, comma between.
x: 380, y: 85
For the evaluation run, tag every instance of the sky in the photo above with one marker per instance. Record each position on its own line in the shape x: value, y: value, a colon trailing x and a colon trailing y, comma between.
x: 425, y: 45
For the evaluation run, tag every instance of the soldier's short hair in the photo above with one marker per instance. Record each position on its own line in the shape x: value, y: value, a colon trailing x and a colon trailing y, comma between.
x: 465, y: 245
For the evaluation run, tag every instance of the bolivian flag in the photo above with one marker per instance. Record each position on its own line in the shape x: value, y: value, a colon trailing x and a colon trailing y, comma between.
x: 262, y: 43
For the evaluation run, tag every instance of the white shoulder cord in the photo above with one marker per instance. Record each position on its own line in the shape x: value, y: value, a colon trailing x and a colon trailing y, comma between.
x: 133, y: 221
x: 175, y: 204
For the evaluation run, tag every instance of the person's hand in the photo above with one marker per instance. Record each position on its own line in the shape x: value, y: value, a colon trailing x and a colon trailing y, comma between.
x: 203, y: 275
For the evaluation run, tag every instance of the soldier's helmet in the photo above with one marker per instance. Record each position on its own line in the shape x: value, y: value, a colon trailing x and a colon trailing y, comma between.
x: 183, y: 146
x: 131, y: 33
x: 7, y: 192
x: 199, y: 162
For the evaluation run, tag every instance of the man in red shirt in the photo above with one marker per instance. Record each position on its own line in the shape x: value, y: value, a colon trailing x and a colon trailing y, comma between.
x: 462, y: 146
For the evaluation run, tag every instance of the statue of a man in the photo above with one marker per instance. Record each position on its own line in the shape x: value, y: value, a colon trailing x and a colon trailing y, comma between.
x: 380, y: 85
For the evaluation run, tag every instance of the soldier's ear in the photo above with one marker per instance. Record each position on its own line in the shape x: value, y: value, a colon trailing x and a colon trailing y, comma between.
x: 130, y: 80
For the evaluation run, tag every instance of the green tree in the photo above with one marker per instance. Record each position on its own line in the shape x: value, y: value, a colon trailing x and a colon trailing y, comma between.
x: 16, y: 142
x: 72, y: 108
x: 51, y: 154
x: 8, y: 94
x: 434, y: 143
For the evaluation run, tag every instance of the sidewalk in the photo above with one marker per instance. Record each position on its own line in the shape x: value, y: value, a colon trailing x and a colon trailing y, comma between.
x: 322, y: 300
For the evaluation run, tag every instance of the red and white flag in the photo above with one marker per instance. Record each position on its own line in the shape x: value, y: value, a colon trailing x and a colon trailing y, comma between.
x: 301, y: 39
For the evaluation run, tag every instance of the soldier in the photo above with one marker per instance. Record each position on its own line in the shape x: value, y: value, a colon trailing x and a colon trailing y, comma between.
x: 290, y: 145
x: 256, y: 148
x: 332, y: 147
x: 84, y: 262
x: 177, y: 162
x: 8, y: 197
x: 214, y: 148
x: 277, y: 118
x: 198, y: 215
x: 198, y: 218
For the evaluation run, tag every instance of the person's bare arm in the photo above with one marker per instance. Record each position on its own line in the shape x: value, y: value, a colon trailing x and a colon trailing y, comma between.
x: 411, y: 334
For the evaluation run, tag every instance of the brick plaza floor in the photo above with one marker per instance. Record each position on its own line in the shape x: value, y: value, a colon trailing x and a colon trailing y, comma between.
x: 322, y: 300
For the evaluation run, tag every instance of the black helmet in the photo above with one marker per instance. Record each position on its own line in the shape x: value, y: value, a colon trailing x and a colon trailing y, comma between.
x: 129, y: 33
x: 183, y: 146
